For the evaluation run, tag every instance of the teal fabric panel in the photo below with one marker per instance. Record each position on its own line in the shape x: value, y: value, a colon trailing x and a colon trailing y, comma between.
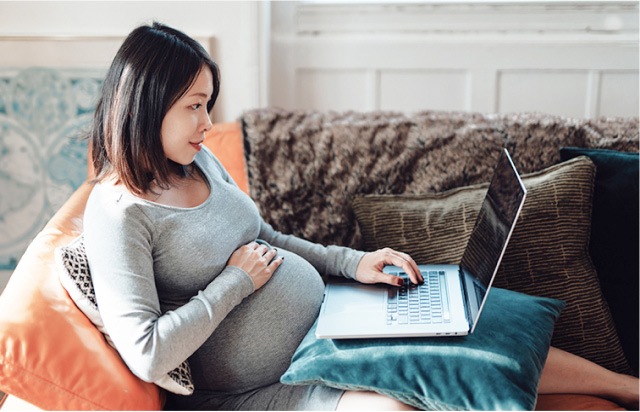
x: 498, y: 367
x: 614, y: 246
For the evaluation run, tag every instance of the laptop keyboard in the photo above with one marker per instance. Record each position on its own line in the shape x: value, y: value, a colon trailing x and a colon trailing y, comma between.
x: 418, y: 304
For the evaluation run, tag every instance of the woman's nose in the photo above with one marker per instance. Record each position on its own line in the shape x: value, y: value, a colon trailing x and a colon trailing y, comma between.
x: 206, y: 122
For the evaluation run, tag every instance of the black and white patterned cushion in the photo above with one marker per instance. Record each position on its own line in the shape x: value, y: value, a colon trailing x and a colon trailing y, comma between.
x: 76, y: 279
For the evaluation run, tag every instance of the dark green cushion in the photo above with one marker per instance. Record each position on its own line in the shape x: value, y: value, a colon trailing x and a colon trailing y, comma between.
x: 498, y: 367
x: 614, y: 244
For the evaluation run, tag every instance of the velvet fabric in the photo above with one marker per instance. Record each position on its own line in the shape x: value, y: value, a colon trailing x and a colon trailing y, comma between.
x: 498, y: 367
x: 614, y: 246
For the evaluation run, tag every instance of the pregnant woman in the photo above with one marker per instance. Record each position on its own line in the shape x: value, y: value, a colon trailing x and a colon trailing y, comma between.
x: 183, y: 265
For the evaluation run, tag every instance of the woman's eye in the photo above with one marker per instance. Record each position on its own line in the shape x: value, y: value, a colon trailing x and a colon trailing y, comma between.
x: 196, y: 106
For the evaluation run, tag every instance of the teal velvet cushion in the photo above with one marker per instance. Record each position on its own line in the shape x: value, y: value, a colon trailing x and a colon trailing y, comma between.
x: 614, y: 246
x: 498, y: 367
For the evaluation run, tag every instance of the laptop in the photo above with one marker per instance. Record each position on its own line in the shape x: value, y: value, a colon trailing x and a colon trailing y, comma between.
x: 451, y: 299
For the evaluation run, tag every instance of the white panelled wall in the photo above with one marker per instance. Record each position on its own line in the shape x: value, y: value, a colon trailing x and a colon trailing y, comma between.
x: 571, y: 58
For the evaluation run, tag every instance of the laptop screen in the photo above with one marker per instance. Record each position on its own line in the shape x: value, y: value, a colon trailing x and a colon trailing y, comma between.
x: 493, y: 227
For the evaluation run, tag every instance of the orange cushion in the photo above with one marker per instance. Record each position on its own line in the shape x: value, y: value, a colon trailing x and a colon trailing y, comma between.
x: 51, y: 355
x: 225, y: 141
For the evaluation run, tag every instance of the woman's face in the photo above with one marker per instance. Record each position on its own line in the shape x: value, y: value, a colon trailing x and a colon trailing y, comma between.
x: 186, y: 122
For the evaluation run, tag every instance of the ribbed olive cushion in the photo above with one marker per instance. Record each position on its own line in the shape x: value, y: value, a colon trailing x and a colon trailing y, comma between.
x: 547, y: 255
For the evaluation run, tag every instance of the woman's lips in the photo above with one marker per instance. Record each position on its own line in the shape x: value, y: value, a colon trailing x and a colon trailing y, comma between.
x: 196, y: 146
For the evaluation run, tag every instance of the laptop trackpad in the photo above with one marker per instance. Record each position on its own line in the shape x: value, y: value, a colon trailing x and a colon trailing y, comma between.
x: 349, y: 299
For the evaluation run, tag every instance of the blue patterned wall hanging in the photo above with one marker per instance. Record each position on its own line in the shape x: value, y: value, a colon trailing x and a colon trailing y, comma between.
x: 44, y: 114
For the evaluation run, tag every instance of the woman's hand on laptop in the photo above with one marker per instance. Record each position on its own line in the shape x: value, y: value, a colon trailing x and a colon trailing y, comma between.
x: 370, y: 267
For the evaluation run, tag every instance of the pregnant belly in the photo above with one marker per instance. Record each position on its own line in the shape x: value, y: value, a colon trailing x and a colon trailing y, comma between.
x: 253, y: 345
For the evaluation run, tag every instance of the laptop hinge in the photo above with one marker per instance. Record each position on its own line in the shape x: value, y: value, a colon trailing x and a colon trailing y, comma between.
x: 465, y: 293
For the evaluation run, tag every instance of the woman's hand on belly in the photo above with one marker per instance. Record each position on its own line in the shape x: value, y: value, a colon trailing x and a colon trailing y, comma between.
x: 257, y: 261
x: 252, y: 347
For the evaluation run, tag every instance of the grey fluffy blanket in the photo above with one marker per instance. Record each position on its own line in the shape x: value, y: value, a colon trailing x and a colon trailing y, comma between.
x: 305, y: 167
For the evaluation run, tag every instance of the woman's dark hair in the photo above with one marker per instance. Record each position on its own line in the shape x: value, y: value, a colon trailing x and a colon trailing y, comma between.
x: 154, y: 67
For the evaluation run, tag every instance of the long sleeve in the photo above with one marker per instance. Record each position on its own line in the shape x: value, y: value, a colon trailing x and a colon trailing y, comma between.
x: 119, y: 248
x: 328, y: 260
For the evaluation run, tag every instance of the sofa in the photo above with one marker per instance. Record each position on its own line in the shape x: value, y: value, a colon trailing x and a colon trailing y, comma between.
x: 328, y: 176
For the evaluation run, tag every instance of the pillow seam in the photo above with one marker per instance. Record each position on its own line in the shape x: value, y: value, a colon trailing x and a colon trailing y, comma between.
x: 52, y: 384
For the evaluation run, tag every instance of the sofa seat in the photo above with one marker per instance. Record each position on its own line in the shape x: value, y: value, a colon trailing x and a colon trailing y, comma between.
x: 51, y: 356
